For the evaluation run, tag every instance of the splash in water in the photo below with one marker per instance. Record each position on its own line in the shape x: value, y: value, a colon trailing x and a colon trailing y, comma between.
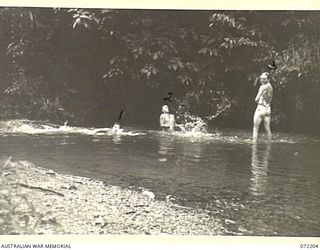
x: 192, y: 128
x: 33, y: 127
x: 192, y: 123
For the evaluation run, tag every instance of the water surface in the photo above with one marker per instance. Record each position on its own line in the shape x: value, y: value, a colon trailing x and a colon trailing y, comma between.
x: 264, y: 189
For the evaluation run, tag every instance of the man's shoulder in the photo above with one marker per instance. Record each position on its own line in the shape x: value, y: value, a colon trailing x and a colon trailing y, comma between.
x: 263, y: 86
x: 269, y: 87
x: 266, y: 86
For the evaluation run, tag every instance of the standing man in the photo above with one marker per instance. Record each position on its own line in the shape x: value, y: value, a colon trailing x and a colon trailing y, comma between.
x: 167, y: 120
x: 263, y: 110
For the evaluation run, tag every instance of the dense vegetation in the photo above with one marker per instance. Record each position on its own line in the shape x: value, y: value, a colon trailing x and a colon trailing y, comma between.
x: 86, y: 65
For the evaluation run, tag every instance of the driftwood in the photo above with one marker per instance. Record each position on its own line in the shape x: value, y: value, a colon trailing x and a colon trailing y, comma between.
x: 40, y: 188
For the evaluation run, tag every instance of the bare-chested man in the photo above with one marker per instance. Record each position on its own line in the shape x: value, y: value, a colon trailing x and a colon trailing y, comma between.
x: 167, y: 120
x: 263, y: 110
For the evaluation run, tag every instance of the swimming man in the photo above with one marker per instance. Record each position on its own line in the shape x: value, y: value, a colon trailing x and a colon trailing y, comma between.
x: 116, y: 128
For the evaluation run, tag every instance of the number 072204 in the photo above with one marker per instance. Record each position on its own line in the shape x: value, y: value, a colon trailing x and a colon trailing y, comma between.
x: 309, y: 246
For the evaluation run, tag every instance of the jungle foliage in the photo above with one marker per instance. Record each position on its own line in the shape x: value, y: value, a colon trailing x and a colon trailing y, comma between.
x: 85, y: 65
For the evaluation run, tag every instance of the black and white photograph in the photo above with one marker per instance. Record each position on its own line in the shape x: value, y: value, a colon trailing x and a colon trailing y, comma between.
x: 159, y: 122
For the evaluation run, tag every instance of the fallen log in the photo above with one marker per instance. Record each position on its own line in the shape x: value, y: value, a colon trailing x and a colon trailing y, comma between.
x: 40, y: 188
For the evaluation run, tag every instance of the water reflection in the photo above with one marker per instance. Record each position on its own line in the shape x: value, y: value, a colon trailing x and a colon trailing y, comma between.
x: 259, y: 168
x: 193, y: 151
x: 116, y: 138
x: 165, y: 147
x: 165, y: 144
x: 65, y: 140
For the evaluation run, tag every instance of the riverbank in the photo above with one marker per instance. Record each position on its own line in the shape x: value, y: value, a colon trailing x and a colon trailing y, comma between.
x: 40, y: 201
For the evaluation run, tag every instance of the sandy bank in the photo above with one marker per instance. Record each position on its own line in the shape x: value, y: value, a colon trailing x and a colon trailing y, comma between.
x: 34, y: 200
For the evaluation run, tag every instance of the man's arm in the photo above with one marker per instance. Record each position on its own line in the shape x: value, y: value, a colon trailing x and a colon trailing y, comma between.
x: 173, y: 118
x: 172, y: 121
x: 261, y: 89
x: 161, y: 120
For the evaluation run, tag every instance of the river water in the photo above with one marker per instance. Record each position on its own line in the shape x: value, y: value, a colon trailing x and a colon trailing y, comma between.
x: 264, y: 189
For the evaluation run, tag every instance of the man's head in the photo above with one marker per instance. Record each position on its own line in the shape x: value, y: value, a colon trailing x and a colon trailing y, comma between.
x: 264, y: 77
x: 116, y: 126
x: 165, y: 109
